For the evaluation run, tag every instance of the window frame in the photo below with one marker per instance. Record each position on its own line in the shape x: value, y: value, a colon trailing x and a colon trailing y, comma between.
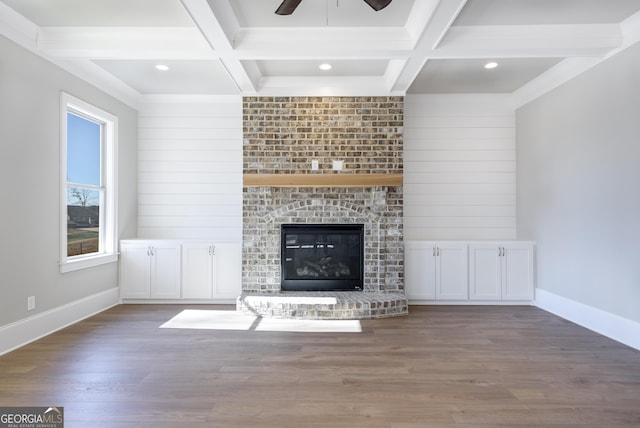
x: 108, y: 181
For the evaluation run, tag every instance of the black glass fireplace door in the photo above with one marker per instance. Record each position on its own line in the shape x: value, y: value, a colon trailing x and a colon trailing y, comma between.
x: 322, y: 257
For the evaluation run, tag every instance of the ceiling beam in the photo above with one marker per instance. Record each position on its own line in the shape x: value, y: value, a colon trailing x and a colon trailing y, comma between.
x: 217, y: 24
x: 325, y: 86
x: 511, y: 41
x: 124, y: 43
x: 572, y: 67
x: 440, y: 20
x: 322, y: 43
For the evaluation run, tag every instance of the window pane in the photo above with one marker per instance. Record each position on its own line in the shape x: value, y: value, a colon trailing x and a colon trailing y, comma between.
x: 83, y: 221
x: 83, y: 150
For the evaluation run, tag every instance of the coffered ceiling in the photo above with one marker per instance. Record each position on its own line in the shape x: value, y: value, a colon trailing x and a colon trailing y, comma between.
x: 241, y: 47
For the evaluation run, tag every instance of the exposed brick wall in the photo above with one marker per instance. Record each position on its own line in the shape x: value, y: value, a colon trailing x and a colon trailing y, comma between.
x: 281, y: 136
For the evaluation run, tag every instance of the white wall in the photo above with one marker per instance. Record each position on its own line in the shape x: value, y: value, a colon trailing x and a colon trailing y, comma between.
x: 29, y: 185
x: 190, y: 168
x: 578, y: 195
x: 459, y: 167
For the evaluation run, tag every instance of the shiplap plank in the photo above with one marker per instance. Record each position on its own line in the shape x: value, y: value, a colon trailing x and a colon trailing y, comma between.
x: 460, y: 155
x: 200, y: 208
x: 417, y: 211
x: 193, y: 144
x: 459, y: 222
x: 472, y: 233
x: 462, y: 132
x: 189, y: 123
x: 195, y: 166
x: 428, y: 201
x: 411, y: 166
x: 188, y: 177
x: 190, y: 155
x: 190, y: 221
x: 460, y: 177
x: 197, y: 189
x: 190, y: 133
x: 218, y: 233
x: 191, y: 199
x: 421, y: 189
x: 507, y: 121
x: 460, y: 144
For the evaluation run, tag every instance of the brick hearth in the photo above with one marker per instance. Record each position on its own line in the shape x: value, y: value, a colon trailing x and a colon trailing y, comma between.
x: 323, y: 305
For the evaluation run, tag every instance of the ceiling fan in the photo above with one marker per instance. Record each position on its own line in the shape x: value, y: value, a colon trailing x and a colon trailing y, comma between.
x: 288, y: 6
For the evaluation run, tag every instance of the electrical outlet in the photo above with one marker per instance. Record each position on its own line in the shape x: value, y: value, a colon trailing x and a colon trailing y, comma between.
x: 314, y: 165
x: 337, y: 165
x: 31, y: 303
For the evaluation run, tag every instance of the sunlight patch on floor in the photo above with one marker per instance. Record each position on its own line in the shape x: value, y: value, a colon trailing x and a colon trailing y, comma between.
x: 204, y: 319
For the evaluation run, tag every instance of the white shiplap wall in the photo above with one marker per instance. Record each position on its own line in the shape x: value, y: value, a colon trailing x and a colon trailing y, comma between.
x: 190, y: 169
x: 459, y: 168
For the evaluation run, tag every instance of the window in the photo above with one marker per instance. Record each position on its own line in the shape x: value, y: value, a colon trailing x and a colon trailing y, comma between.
x: 88, y: 185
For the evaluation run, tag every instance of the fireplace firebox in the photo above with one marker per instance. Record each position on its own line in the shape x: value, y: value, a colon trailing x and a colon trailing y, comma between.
x: 322, y: 257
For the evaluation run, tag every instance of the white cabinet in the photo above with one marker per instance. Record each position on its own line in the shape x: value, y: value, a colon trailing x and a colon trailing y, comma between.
x: 198, y: 273
x: 436, y: 270
x: 501, y: 271
x: 228, y: 283
x: 150, y: 269
x: 419, y: 271
x: 211, y: 270
x: 172, y: 269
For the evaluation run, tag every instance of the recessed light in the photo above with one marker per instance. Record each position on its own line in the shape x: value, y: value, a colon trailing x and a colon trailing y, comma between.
x: 162, y: 67
x: 490, y: 65
x: 324, y: 67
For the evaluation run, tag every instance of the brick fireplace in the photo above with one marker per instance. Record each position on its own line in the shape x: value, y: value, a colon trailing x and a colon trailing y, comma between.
x: 282, y: 136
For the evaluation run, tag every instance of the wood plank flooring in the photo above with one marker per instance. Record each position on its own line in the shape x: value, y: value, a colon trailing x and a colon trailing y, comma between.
x: 441, y: 366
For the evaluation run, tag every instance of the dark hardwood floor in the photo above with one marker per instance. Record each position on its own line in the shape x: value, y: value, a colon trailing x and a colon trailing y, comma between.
x: 441, y: 366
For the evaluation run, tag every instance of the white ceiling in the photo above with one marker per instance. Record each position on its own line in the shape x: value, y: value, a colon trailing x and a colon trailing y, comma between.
x: 241, y: 47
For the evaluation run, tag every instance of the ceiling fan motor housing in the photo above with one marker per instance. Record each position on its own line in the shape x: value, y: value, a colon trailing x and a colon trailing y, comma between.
x: 287, y: 7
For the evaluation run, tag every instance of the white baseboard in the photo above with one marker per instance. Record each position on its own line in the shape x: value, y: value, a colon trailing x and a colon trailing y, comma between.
x: 613, y: 326
x: 19, y: 333
x: 427, y: 302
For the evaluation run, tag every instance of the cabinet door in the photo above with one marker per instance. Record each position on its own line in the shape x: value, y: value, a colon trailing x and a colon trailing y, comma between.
x: 485, y: 272
x: 197, y: 270
x: 452, y: 272
x: 228, y: 271
x: 165, y: 271
x: 420, y: 270
x: 517, y: 272
x: 134, y: 271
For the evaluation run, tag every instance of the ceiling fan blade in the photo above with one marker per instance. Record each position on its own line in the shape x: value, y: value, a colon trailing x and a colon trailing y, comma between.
x: 378, y: 4
x: 287, y: 7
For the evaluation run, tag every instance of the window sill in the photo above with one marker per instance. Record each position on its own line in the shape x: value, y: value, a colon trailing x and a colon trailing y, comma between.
x: 87, y: 262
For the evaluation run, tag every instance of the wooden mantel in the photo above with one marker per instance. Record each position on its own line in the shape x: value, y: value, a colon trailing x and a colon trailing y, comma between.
x: 321, y: 180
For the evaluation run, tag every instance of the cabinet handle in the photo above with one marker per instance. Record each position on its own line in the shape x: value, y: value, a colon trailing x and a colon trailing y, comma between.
x: 434, y: 251
x: 212, y: 250
x: 438, y: 252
